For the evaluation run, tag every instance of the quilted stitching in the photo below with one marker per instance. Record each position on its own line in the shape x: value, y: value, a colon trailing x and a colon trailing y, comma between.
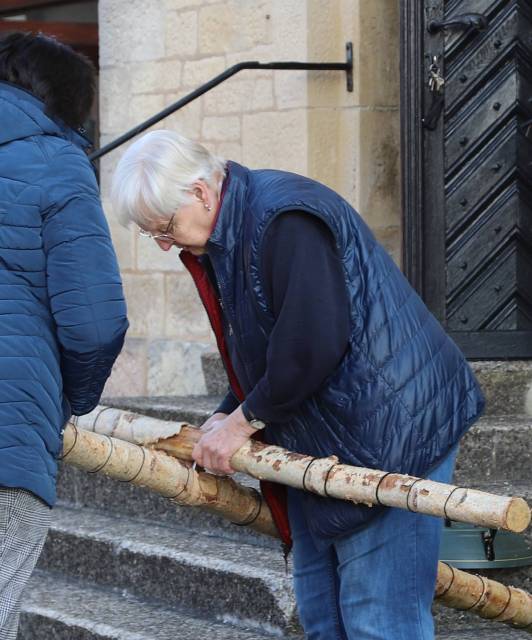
x: 61, y: 297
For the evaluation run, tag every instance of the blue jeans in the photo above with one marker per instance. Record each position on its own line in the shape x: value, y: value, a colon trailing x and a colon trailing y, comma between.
x: 375, y: 584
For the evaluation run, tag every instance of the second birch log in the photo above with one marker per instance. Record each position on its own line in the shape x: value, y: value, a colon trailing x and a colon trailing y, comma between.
x: 487, y: 598
x: 167, y: 476
x: 325, y: 476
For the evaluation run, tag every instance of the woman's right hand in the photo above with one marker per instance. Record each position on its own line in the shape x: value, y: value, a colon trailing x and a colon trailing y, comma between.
x: 207, y: 425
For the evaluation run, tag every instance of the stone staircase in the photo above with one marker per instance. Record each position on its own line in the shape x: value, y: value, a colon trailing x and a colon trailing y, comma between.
x: 121, y: 563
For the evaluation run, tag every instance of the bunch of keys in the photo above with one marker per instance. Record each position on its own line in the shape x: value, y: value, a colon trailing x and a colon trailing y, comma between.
x: 436, y: 81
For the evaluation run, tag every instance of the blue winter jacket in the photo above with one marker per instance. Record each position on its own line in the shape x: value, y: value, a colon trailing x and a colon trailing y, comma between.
x: 62, y: 309
x: 403, y: 394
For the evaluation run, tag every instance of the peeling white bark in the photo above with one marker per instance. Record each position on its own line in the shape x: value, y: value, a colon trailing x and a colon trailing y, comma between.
x: 325, y: 476
x: 167, y: 476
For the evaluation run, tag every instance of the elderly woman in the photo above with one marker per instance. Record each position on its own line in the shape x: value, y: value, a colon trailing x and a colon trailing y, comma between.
x: 328, y: 351
x: 62, y: 310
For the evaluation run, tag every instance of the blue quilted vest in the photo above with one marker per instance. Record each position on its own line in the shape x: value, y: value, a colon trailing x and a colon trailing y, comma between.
x: 403, y: 394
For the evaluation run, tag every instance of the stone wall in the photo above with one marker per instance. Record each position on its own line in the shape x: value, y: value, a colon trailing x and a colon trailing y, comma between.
x: 155, y: 51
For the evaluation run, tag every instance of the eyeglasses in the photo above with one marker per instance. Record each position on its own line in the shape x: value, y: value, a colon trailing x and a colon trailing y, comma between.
x: 162, y: 237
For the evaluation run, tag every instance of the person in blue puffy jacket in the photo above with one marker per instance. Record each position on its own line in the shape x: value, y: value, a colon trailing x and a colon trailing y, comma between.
x: 329, y: 352
x: 62, y: 309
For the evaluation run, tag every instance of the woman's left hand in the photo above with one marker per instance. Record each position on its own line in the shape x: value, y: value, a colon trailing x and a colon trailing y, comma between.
x: 216, y: 447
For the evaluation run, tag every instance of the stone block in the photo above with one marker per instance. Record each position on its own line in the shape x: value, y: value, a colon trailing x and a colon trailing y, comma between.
x: 276, y: 140
x: 262, y: 95
x: 331, y: 139
x: 214, y: 373
x: 377, y: 35
x: 234, y: 26
x: 143, y: 106
x: 181, y: 33
x: 123, y: 240
x: 187, y: 120
x: 506, y: 386
x: 495, y: 449
x: 289, y: 30
x: 174, y: 368
x: 391, y: 238
x: 378, y: 177
x: 330, y: 26
x: 129, y: 375
x: 155, y: 77
x: 131, y: 31
x: 179, y: 5
x: 114, y: 92
x: 240, y: 95
x: 151, y: 258
x: 261, y: 52
x: 197, y: 72
x: 109, y: 162
x: 229, y: 151
x: 221, y: 128
x: 290, y: 88
x: 145, y: 302
x: 185, y: 317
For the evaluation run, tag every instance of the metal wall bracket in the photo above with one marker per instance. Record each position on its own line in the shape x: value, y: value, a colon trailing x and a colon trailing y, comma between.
x: 346, y: 67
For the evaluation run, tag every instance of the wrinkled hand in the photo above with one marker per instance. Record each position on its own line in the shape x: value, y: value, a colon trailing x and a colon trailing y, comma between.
x: 216, y: 417
x: 218, y: 444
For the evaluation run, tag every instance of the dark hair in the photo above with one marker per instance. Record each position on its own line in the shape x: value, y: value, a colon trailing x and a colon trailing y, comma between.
x: 61, y: 77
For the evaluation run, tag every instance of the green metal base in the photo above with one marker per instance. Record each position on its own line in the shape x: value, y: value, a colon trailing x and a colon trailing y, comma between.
x: 467, y: 547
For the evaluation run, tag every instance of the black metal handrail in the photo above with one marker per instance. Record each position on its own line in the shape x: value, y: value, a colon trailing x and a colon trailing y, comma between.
x: 346, y: 66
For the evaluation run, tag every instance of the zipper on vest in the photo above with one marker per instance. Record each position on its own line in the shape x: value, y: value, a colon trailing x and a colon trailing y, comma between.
x: 220, y: 302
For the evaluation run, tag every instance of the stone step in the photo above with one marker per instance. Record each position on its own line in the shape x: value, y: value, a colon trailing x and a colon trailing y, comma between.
x: 182, y: 568
x: 55, y: 608
x: 506, y: 384
x: 496, y: 448
x: 478, y: 631
x: 204, y: 573
x: 192, y: 409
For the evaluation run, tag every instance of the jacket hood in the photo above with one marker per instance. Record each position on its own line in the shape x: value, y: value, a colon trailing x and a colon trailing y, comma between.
x: 23, y: 115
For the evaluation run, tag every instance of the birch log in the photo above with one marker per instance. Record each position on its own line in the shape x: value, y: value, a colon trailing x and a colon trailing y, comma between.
x: 324, y: 476
x: 487, y: 598
x: 167, y: 476
x: 128, y: 462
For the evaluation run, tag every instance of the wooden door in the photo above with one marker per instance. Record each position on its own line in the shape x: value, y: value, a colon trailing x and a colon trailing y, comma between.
x: 467, y: 168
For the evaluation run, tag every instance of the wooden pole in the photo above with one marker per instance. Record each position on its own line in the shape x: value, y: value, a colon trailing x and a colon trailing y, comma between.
x: 487, y: 598
x: 180, y: 483
x: 325, y: 476
x: 167, y: 476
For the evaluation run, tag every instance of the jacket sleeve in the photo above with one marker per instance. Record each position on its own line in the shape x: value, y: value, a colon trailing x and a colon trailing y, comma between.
x: 83, y: 279
x: 305, y: 286
x: 228, y: 404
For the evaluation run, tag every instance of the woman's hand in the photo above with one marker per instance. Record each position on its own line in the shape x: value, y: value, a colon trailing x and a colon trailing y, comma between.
x: 221, y: 439
x: 216, y: 417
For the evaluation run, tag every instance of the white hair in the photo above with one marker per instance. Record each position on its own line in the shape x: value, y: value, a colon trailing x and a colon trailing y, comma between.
x: 154, y: 176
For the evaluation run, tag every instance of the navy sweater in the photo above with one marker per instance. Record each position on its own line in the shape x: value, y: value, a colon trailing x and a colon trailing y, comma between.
x: 305, y: 287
